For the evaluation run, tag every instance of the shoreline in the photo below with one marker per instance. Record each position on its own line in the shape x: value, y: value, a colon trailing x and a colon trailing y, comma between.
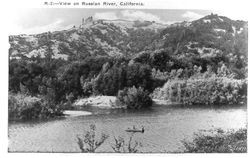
x: 74, y: 113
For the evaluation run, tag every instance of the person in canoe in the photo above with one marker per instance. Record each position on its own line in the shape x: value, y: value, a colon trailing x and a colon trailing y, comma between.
x: 135, y: 130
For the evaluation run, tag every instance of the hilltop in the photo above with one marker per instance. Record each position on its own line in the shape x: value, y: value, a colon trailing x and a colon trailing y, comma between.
x: 207, y: 36
x: 206, y: 41
x: 92, y: 38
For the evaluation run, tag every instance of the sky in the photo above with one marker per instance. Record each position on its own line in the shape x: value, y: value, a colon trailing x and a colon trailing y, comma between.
x: 32, y: 21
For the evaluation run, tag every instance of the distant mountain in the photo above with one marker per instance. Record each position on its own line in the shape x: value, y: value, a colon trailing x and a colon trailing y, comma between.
x: 208, y: 36
x: 205, y: 37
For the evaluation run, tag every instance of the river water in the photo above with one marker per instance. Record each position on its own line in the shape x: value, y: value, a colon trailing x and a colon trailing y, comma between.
x: 165, y: 127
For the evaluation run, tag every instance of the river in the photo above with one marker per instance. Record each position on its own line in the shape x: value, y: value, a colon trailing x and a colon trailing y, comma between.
x: 165, y: 127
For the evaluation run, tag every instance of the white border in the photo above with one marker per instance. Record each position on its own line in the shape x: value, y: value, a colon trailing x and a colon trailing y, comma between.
x: 8, y: 8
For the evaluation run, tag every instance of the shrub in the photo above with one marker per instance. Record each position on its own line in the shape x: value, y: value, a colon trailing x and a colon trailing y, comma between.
x: 25, y: 107
x: 90, y: 142
x: 134, y: 98
x: 220, y: 142
x: 121, y: 146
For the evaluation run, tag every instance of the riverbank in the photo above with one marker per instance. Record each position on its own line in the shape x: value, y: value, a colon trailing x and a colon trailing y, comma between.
x: 96, y: 101
x: 110, y: 102
x: 23, y: 107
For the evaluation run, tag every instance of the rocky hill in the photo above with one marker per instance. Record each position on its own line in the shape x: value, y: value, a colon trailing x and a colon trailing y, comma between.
x: 94, y: 37
x: 209, y: 36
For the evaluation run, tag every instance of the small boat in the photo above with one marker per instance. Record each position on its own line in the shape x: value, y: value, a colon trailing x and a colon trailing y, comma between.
x: 135, y: 130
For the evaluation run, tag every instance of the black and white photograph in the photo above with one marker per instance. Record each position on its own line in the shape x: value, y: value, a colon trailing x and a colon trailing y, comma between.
x: 127, y: 80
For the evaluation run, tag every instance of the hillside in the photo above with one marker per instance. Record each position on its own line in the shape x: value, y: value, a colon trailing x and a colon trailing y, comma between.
x: 92, y: 38
x: 209, y: 36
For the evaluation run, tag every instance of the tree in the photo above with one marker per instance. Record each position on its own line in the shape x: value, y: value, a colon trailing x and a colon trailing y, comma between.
x: 134, y: 98
x: 139, y: 75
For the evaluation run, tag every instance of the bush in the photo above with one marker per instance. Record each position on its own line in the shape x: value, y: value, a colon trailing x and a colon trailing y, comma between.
x: 134, y: 98
x: 90, y: 142
x: 22, y: 107
x: 220, y: 142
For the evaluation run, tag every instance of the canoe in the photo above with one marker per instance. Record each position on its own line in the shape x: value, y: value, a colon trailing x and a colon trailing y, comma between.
x: 134, y: 130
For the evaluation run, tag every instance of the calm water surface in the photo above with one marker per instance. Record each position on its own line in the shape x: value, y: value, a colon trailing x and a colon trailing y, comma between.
x: 164, y: 126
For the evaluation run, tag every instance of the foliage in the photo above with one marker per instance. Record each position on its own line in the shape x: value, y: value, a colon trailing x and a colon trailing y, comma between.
x: 52, y: 78
x: 121, y: 146
x: 110, y: 79
x: 160, y: 60
x: 214, y: 90
x: 218, y: 142
x: 205, y: 88
x: 139, y: 75
x: 115, y: 77
x: 26, y: 107
x: 73, y: 74
x: 157, y: 74
x: 87, y: 86
x: 134, y: 98
x: 90, y: 142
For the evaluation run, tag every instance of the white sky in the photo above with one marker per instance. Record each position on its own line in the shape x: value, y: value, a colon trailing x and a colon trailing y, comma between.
x: 30, y: 21
x: 41, y: 20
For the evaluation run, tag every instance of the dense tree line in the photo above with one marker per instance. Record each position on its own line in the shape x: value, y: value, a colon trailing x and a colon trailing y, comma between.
x: 56, y: 79
x: 53, y: 77
x: 105, y: 75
